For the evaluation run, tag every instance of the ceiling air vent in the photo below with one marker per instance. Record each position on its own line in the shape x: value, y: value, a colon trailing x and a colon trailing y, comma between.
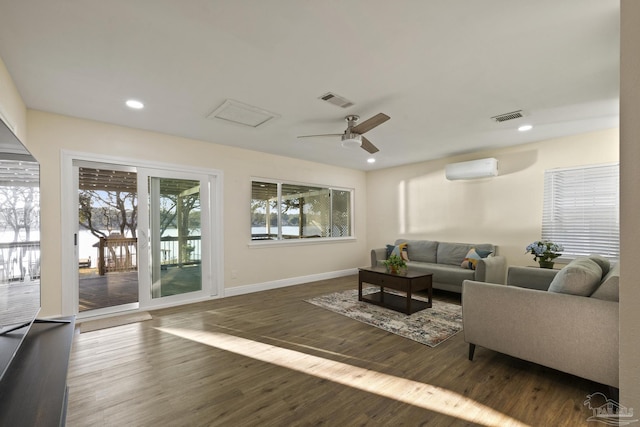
x: 334, y: 99
x: 508, y: 116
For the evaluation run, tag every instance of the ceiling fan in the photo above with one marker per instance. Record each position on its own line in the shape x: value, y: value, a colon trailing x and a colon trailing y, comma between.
x: 352, y: 137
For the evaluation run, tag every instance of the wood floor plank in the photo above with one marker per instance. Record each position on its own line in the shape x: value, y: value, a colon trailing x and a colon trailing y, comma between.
x: 288, y: 362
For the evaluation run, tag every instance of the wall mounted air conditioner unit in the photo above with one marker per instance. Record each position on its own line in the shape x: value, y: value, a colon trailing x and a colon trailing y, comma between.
x: 481, y: 168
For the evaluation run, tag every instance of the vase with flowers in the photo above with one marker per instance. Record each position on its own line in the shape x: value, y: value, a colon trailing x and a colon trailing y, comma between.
x: 544, y: 252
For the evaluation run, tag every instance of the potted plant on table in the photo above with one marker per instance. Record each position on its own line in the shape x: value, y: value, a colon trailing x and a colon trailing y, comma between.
x: 544, y: 252
x: 395, y: 264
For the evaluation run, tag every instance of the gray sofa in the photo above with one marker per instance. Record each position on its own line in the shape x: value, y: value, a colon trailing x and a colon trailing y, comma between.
x: 444, y: 259
x: 563, y: 319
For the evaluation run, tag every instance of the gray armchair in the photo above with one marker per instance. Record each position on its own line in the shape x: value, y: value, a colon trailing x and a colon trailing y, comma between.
x: 570, y: 333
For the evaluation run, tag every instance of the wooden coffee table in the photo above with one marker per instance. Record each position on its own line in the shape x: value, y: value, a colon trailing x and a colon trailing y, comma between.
x: 409, y: 282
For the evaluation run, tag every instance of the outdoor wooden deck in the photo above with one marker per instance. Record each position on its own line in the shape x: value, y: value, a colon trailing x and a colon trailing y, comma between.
x: 119, y: 288
x: 106, y: 291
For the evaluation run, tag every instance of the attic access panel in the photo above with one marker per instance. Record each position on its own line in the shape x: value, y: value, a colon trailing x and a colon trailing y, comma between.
x: 242, y: 114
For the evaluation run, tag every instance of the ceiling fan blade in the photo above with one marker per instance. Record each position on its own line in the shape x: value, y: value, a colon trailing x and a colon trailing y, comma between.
x: 321, y: 135
x: 368, y: 146
x: 369, y: 124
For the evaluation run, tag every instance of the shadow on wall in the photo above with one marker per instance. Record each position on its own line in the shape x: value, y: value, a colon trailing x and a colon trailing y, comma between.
x: 415, y: 200
x: 429, y: 204
x: 516, y: 162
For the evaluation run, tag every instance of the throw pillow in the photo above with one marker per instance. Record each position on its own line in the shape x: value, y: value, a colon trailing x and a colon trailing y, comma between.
x: 471, y: 259
x: 580, y: 277
x: 483, y: 254
x: 609, y: 289
x: 399, y: 250
x: 390, y: 250
x: 602, y: 262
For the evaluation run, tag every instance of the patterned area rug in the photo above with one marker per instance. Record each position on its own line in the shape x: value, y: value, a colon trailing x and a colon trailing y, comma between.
x: 430, y: 326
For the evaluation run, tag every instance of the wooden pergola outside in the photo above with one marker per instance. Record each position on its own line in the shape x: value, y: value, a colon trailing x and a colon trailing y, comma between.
x: 117, y: 252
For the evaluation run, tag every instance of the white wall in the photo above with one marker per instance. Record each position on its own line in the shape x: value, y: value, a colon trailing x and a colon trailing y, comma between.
x: 50, y: 133
x: 416, y: 201
x: 630, y: 205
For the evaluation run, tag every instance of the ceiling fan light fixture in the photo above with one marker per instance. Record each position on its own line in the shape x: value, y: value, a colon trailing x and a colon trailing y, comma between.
x: 351, y: 140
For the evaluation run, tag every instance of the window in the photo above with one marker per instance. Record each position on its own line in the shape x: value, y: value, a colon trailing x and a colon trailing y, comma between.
x: 581, y: 210
x: 281, y: 211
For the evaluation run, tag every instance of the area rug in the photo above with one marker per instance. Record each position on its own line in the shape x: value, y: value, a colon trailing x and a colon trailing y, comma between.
x: 430, y: 326
x: 110, y: 322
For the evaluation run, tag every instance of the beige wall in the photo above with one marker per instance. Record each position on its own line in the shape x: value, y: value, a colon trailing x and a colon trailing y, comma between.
x: 50, y: 133
x: 12, y: 108
x: 416, y: 201
x: 630, y: 205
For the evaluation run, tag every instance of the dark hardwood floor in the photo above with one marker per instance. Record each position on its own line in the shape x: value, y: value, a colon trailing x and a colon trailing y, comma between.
x: 272, y: 359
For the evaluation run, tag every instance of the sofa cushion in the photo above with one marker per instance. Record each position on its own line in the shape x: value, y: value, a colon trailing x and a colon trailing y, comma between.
x: 452, y: 253
x: 610, y: 287
x: 580, y: 277
x: 451, y: 274
x: 422, y: 250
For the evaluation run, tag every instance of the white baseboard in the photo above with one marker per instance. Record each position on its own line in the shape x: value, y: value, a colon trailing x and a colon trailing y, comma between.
x: 265, y: 286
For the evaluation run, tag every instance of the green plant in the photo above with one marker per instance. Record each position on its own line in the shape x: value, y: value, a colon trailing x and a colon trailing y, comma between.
x: 395, y: 263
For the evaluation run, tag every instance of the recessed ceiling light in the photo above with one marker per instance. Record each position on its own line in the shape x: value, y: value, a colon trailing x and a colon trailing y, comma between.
x: 371, y: 160
x: 137, y: 105
x: 525, y: 128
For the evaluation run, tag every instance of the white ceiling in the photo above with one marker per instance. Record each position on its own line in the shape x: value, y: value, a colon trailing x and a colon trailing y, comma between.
x: 440, y: 68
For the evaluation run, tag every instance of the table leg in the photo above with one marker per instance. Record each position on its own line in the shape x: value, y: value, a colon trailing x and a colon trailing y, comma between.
x: 359, y: 289
x: 409, y: 300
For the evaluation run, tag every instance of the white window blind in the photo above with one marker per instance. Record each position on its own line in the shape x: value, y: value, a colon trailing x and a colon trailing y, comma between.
x: 581, y: 210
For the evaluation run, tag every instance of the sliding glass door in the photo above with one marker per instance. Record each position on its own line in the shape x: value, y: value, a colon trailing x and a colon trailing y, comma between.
x: 143, y: 237
x: 175, y: 224
x: 106, y: 237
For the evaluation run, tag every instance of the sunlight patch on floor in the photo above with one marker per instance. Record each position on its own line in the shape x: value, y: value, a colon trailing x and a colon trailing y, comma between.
x: 307, y: 347
x: 407, y: 391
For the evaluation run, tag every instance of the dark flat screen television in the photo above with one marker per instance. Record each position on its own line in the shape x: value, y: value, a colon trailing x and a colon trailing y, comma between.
x: 19, y: 244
